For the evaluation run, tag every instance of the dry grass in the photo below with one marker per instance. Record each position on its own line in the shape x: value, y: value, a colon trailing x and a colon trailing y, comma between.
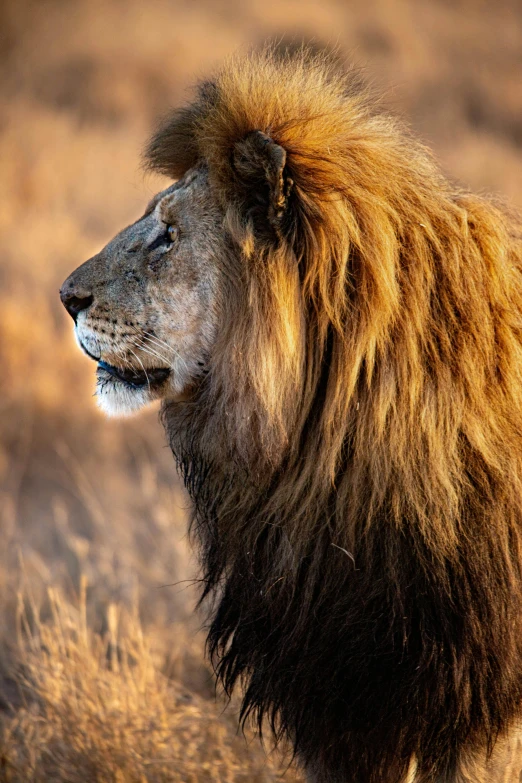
x: 98, y: 707
x: 112, y: 685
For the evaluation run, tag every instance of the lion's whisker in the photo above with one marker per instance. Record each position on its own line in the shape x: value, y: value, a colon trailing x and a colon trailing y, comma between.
x: 174, y: 352
x: 151, y: 352
x: 142, y: 365
x: 121, y: 355
x: 161, y: 344
x: 145, y: 335
x: 156, y: 339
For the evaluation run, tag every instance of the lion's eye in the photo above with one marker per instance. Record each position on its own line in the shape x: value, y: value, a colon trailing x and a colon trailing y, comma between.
x: 172, y: 232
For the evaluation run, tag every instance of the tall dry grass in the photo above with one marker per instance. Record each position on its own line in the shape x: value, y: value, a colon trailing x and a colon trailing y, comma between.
x: 100, y: 707
x: 102, y: 675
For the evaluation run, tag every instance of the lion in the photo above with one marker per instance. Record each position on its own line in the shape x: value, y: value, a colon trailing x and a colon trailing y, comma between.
x: 334, y: 331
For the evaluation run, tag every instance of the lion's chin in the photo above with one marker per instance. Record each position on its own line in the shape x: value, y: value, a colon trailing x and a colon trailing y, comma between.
x: 123, y: 392
x: 114, y: 398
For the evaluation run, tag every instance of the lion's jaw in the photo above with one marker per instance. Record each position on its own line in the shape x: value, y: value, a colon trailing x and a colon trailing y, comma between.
x: 145, y: 308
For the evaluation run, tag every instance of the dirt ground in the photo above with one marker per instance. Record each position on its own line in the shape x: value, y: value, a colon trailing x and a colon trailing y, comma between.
x: 102, y: 673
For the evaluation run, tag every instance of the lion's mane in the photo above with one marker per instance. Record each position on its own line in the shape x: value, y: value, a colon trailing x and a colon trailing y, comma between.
x: 354, y: 453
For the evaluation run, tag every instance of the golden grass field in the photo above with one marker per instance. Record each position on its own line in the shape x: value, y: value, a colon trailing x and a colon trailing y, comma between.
x: 102, y: 674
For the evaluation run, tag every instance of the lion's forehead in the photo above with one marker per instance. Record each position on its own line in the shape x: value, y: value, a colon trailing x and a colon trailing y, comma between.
x: 190, y: 188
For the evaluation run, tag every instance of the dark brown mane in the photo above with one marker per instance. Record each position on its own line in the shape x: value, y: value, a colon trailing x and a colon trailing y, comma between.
x: 354, y: 454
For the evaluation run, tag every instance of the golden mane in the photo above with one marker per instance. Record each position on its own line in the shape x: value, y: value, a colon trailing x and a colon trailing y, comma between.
x: 355, y: 453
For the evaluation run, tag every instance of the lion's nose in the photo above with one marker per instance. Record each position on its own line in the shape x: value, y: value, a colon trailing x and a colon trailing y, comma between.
x: 75, y: 299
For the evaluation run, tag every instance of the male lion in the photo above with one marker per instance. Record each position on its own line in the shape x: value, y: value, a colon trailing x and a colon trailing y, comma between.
x: 335, y: 333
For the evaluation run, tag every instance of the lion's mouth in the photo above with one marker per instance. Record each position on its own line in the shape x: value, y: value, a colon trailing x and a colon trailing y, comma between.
x: 150, y: 377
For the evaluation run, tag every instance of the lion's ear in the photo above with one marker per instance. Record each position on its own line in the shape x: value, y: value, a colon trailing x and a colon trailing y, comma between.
x: 261, y: 179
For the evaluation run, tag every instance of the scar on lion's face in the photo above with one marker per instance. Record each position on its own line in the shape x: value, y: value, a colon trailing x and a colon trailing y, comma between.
x: 146, y: 308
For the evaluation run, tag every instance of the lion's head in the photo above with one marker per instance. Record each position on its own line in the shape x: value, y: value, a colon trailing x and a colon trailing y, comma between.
x: 335, y: 332
x: 146, y: 308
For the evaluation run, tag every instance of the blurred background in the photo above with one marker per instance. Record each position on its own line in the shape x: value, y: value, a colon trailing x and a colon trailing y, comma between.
x: 102, y: 675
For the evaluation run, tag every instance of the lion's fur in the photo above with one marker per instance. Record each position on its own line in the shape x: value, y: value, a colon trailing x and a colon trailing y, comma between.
x: 354, y: 454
